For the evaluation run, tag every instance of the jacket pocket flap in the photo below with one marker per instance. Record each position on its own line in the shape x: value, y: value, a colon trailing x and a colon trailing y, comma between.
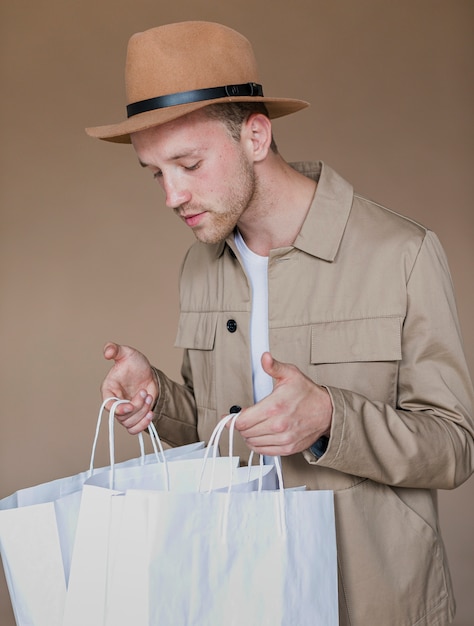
x: 196, y: 330
x: 371, y: 339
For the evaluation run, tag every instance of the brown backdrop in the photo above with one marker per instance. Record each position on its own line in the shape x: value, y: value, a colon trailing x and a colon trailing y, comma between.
x: 89, y: 253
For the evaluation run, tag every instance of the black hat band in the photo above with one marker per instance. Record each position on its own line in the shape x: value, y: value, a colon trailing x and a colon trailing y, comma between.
x: 196, y: 95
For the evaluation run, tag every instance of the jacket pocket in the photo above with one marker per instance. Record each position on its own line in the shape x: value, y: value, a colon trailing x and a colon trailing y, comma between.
x: 197, y: 330
x: 362, y: 355
x: 393, y: 569
x: 197, y: 337
x: 369, y: 339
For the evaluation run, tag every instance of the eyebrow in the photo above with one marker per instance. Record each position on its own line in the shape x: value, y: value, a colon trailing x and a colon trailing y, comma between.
x: 176, y: 157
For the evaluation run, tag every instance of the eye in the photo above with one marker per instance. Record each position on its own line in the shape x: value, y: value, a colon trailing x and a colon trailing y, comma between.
x: 192, y: 168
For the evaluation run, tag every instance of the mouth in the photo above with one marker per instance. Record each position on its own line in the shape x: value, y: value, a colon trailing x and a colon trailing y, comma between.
x: 193, y: 220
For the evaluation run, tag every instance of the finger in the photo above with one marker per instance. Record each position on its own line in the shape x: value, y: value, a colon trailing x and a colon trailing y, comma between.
x: 116, y: 351
x: 267, y: 443
x: 251, y: 420
x: 111, y: 350
x: 137, y: 422
x: 267, y: 361
x: 120, y: 409
x: 138, y: 406
x: 140, y: 426
x: 123, y: 410
x: 275, y: 445
x: 271, y: 450
x: 276, y: 369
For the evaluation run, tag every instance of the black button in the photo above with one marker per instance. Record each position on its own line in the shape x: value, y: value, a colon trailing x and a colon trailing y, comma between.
x: 231, y: 326
x: 235, y: 408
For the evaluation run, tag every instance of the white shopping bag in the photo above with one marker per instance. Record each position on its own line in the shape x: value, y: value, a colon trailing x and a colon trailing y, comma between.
x: 37, y: 530
x: 99, y: 531
x: 32, y: 560
x: 264, y: 557
x: 207, y: 558
x: 230, y: 558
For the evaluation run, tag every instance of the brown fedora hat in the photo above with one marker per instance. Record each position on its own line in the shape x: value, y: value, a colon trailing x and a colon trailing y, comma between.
x: 178, y: 68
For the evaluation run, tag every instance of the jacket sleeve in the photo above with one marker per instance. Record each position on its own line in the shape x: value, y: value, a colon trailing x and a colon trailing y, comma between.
x: 427, y: 439
x: 175, y: 411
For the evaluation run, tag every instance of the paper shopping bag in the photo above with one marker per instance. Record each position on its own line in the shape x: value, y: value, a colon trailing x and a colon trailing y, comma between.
x: 37, y: 527
x: 225, y: 558
x: 32, y: 560
x: 99, y: 532
x: 99, y: 541
x: 259, y: 557
x: 99, y: 520
x: 98, y: 545
x: 37, y: 531
x: 212, y: 557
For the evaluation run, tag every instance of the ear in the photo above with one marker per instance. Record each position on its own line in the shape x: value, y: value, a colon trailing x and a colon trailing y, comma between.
x: 256, y: 136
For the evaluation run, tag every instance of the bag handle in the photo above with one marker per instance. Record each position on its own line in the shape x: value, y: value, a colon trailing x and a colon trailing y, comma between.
x: 97, y: 431
x: 155, y: 440
x: 214, y: 444
x: 214, y: 440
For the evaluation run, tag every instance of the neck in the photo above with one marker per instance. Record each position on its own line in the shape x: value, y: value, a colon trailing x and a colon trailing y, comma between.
x: 282, y: 200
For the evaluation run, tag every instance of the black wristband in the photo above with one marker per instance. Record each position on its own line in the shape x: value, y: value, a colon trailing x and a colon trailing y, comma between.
x: 319, y: 447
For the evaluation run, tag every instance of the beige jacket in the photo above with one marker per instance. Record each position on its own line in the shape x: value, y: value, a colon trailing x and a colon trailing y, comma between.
x: 363, y: 304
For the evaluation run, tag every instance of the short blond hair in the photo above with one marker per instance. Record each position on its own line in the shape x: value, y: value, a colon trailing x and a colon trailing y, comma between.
x: 234, y: 114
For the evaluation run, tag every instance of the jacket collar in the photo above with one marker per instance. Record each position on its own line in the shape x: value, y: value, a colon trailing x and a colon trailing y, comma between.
x: 324, y: 225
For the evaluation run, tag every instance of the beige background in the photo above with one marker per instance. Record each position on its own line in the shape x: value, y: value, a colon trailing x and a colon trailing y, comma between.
x: 89, y: 253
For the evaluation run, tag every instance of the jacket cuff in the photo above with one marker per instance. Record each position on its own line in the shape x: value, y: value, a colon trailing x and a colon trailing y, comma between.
x: 326, y: 446
x: 173, y: 430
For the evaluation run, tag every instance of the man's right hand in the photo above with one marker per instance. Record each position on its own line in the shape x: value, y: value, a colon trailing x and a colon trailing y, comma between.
x: 130, y: 378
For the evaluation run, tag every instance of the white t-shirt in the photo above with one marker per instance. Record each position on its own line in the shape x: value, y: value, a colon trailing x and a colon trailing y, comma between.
x: 256, y: 267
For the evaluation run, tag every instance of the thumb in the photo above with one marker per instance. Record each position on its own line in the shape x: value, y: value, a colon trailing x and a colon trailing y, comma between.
x: 113, y: 351
x: 274, y: 368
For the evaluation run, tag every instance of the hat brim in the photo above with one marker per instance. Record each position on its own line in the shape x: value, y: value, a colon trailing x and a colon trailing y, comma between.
x: 120, y: 133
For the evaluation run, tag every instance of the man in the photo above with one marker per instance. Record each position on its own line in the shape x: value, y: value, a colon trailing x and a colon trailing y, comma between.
x: 329, y: 320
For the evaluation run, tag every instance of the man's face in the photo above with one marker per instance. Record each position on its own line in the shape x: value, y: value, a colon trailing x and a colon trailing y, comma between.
x: 207, y: 177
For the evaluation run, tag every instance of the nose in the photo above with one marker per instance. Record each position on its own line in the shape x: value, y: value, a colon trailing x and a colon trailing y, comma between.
x: 176, y: 193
